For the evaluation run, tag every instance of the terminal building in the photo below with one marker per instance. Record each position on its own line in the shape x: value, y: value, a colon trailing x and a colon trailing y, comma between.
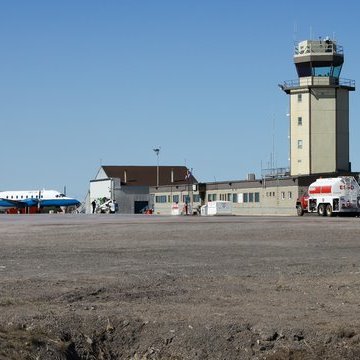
x: 319, y: 143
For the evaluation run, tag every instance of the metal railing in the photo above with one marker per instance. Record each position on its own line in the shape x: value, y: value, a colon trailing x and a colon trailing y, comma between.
x: 318, y: 80
x: 319, y: 47
x: 275, y: 173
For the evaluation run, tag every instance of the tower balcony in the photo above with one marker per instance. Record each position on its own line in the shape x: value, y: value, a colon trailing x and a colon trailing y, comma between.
x: 317, y: 81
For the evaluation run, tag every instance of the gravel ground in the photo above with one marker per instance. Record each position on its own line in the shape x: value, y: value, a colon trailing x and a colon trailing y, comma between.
x: 157, y: 287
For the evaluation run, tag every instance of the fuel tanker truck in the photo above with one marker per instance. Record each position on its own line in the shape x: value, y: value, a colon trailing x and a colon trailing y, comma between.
x: 329, y: 196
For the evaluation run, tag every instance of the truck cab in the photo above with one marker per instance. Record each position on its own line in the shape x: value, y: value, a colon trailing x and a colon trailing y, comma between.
x: 302, y: 204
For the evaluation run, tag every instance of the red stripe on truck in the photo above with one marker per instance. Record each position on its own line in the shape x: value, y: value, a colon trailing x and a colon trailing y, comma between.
x: 314, y: 190
x: 320, y: 189
x: 326, y: 189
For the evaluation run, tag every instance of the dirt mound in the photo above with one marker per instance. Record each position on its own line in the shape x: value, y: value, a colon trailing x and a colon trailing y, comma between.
x: 93, y: 338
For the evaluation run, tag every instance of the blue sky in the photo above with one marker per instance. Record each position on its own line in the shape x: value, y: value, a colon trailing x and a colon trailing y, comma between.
x: 84, y: 83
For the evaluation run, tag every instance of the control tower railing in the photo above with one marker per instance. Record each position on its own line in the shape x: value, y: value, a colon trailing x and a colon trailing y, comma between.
x: 317, y: 80
x: 318, y: 47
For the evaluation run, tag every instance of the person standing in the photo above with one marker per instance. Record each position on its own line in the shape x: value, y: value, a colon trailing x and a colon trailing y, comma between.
x: 93, y: 206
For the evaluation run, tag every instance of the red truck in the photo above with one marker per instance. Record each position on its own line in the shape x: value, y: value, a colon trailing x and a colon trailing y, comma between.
x: 302, y: 204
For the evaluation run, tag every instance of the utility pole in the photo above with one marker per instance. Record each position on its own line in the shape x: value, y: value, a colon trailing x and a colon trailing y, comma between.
x: 157, y: 151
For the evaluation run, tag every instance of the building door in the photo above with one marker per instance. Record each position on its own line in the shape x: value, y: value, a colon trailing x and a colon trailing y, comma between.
x: 140, y: 206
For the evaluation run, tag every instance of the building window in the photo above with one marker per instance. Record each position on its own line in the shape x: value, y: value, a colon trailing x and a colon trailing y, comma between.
x: 300, y: 144
x: 257, y: 197
x: 211, y: 197
x: 169, y: 199
x: 251, y: 197
x: 299, y: 121
x: 196, y: 198
x: 235, y: 198
x: 245, y: 197
x: 160, y: 198
x: 290, y: 195
x: 175, y: 198
x: 283, y: 195
x: 299, y: 97
x: 228, y: 197
x: 186, y: 199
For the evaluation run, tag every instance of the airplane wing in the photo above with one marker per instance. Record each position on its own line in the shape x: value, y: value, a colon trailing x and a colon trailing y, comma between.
x: 20, y: 203
x: 16, y: 203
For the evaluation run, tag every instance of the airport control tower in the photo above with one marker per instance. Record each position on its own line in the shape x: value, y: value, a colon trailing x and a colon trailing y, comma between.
x: 319, y: 109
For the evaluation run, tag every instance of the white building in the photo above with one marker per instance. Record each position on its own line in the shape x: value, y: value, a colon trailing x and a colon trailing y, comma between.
x: 129, y: 185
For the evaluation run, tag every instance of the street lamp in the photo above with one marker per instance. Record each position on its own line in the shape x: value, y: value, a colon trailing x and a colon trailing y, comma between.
x: 157, y: 151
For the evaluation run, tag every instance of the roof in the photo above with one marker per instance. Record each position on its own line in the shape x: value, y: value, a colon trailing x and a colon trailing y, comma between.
x: 147, y: 175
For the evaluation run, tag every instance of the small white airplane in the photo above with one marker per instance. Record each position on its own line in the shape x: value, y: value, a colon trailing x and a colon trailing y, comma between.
x: 39, y: 198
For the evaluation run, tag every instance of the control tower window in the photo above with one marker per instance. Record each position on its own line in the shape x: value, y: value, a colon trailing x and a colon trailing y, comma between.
x: 303, y: 69
x: 322, y: 71
x: 336, y: 71
x: 319, y: 68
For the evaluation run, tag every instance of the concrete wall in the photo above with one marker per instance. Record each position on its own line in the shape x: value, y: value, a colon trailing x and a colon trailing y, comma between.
x: 261, y: 197
x: 299, y: 158
x: 272, y: 200
x: 175, y: 197
x: 342, y: 130
x: 324, y: 130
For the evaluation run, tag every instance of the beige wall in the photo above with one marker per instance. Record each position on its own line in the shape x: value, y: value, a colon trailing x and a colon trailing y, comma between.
x: 342, y: 113
x: 273, y: 200
x: 300, y: 158
x: 164, y: 208
x: 324, y: 131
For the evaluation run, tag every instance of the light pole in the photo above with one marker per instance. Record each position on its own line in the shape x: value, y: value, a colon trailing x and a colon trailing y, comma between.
x: 192, y: 191
x: 157, y: 151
